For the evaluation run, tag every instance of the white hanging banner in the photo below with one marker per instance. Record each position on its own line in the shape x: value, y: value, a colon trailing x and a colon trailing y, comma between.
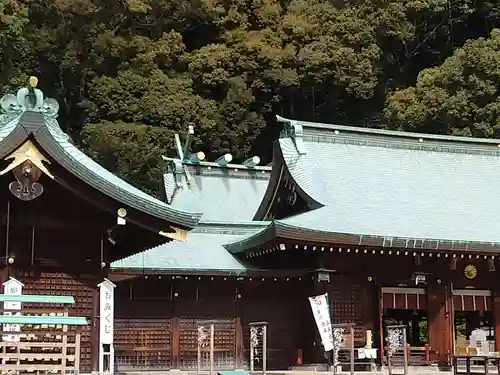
x: 107, y: 309
x: 12, y: 287
x: 321, y: 311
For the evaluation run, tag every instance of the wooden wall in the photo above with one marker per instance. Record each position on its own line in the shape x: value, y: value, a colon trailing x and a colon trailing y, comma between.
x: 277, y: 303
x: 157, y: 317
x: 157, y: 320
x: 143, y: 324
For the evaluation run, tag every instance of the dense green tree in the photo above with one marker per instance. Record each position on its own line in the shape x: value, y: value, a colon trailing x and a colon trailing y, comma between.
x: 13, y: 46
x: 130, y: 73
x: 459, y: 97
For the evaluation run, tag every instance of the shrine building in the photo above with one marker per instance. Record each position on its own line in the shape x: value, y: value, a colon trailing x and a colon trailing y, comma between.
x: 397, y: 228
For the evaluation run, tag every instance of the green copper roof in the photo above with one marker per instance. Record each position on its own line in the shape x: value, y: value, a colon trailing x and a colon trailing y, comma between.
x: 395, y: 184
x: 38, y: 118
x: 222, y: 193
x: 202, y: 252
x: 384, y: 188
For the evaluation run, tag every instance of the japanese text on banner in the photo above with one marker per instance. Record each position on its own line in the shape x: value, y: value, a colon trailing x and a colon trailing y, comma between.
x: 321, y: 312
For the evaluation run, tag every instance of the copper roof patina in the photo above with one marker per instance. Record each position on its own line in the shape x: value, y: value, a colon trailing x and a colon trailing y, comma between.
x: 223, y: 193
x: 389, y: 189
x: 203, y: 251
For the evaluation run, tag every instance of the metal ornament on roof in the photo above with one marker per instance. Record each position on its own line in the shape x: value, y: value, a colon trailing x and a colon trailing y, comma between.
x: 26, y: 188
x: 28, y: 99
x: 294, y: 130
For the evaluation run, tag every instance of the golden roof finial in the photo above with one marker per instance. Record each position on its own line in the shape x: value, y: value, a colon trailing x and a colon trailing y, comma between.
x: 33, y: 82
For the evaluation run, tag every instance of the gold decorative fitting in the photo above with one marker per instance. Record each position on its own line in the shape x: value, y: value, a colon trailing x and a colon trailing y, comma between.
x: 27, y: 166
x: 178, y: 235
x: 27, y: 152
x: 33, y: 82
x: 470, y: 271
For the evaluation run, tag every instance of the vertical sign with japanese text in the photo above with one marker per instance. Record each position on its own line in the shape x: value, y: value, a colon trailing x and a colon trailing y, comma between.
x: 12, y: 287
x: 321, y: 311
x: 106, y: 309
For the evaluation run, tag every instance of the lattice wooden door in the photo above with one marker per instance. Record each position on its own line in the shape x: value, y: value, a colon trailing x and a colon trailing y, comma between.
x: 197, y: 302
x: 143, y: 326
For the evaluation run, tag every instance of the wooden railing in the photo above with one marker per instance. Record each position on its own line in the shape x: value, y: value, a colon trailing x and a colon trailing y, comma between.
x: 417, y: 356
x: 475, y: 364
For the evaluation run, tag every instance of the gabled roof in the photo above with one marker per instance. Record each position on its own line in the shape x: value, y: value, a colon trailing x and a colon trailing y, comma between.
x: 202, y: 252
x: 23, y: 119
x: 223, y: 193
x: 387, y: 188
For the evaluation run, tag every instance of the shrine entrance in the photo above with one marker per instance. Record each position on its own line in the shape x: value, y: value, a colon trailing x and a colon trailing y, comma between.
x: 402, y: 306
x: 474, y: 329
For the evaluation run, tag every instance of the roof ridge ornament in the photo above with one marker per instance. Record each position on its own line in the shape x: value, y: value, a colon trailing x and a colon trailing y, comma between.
x: 293, y: 129
x: 29, y: 99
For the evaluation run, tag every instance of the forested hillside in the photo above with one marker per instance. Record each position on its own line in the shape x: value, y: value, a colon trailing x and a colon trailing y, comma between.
x: 128, y: 73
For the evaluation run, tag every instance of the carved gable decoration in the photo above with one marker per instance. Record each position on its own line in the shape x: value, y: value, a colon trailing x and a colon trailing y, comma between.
x: 27, y: 166
x: 287, y: 201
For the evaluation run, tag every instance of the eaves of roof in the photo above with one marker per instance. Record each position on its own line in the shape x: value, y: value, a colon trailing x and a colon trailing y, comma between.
x: 58, y: 146
x: 279, y: 230
x: 203, y: 252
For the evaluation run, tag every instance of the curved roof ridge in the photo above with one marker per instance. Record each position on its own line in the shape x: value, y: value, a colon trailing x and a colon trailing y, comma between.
x: 212, y: 164
x: 100, y: 173
x: 222, y: 193
x: 307, y: 127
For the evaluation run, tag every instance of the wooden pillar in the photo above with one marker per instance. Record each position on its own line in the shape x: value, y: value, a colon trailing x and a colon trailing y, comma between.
x: 238, y: 326
x: 380, y: 322
x: 176, y: 331
x: 4, y: 274
x: 496, y: 316
x: 440, y: 317
x: 94, y: 331
x: 306, y: 326
x: 175, y: 343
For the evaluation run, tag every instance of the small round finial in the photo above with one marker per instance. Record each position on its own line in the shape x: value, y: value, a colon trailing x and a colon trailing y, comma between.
x: 33, y: 81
